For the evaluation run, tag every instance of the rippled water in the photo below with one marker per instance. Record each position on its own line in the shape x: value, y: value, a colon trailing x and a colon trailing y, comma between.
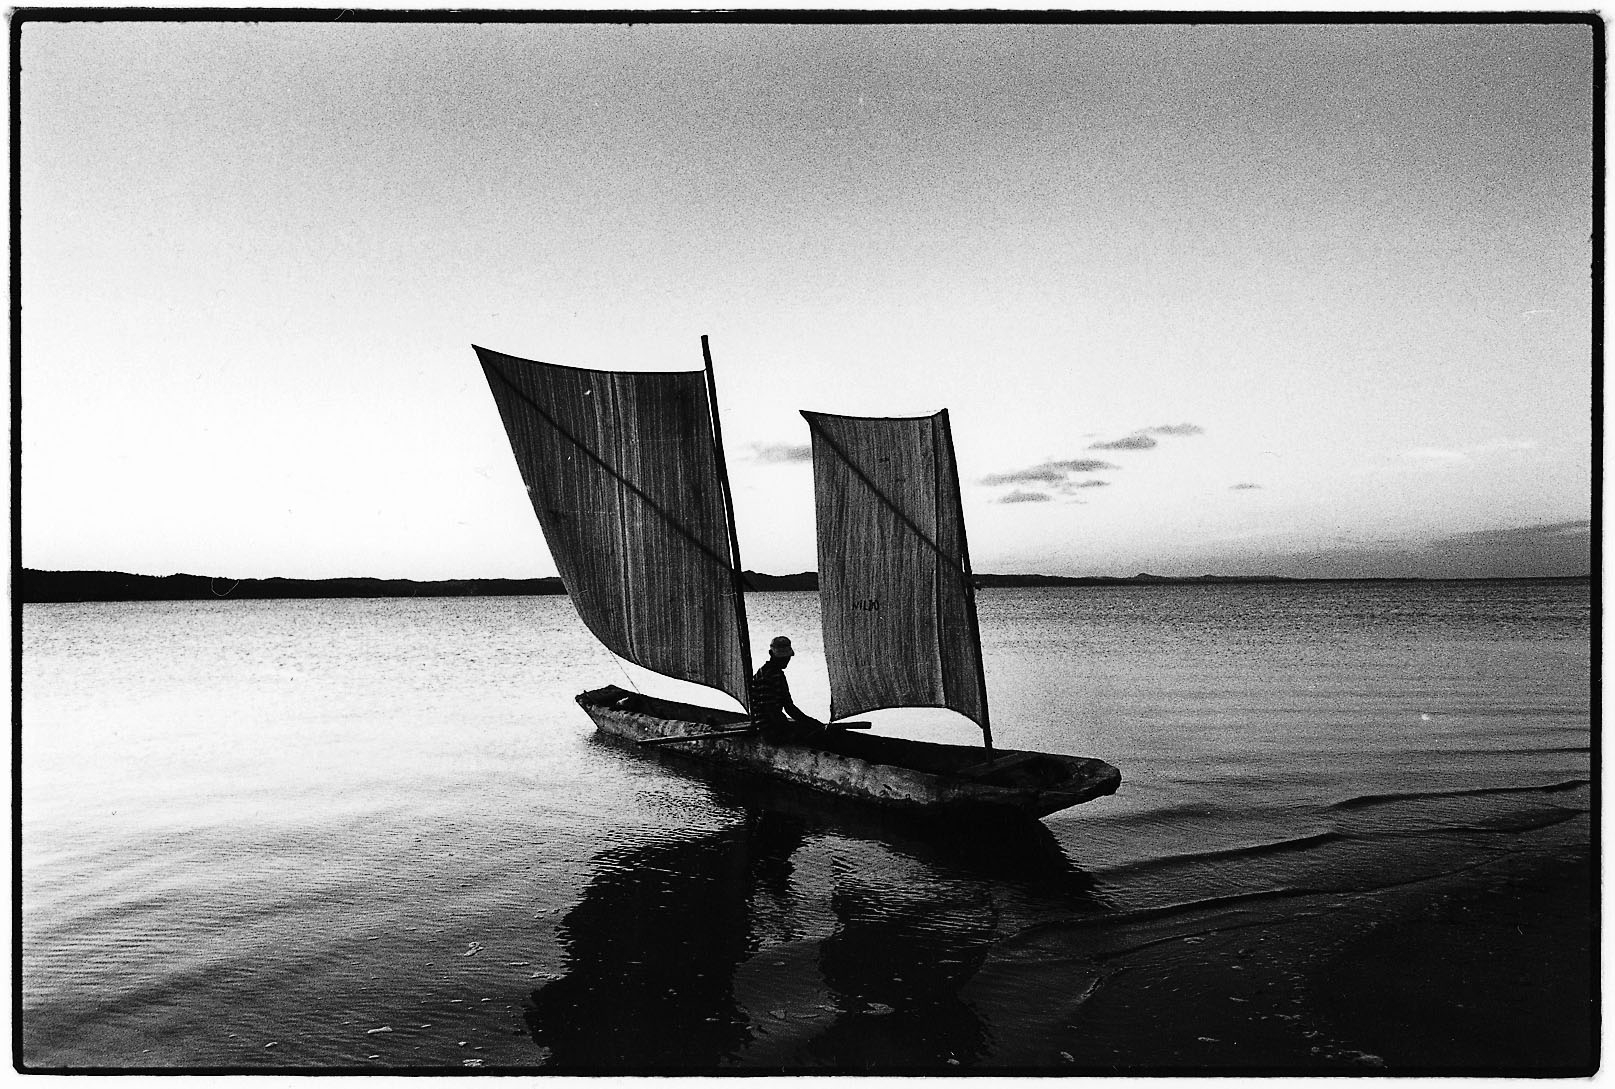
x: 378, y: 833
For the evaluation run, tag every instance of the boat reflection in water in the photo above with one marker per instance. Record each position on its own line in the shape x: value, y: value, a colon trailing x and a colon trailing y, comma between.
x: 791, y: 942
x: 909, y: 954
x: 652, y: 948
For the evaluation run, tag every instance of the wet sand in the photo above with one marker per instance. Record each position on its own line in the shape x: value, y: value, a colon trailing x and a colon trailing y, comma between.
x: 1494, y: 979
x: 1484, y: 972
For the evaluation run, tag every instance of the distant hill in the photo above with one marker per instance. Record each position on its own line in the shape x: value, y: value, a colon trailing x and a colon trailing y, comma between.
x: 804, y: 580
x: 42, y: 586
x: 1142, y: 578
x: 47, y: 586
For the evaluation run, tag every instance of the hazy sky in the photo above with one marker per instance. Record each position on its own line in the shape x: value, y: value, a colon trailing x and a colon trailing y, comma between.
x: 1295, y: 299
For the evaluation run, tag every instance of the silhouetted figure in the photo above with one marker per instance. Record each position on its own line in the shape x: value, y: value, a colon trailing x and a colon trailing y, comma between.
x: 771, y: 703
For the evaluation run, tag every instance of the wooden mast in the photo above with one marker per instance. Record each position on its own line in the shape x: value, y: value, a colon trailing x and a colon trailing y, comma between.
x: 736, y: 578
x: 970, y: 582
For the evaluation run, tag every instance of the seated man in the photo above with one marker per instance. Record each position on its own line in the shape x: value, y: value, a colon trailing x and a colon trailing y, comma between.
x: 771, y: 702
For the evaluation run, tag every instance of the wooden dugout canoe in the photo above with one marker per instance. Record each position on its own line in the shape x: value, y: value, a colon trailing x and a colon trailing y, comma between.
x: 626, y: 475
x: 891, y: 772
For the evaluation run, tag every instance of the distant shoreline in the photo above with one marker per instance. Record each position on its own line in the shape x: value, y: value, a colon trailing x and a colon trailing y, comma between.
x: 42, y: 587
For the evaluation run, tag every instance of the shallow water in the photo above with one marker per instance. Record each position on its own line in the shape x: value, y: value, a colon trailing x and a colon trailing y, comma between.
x: 378, y: 833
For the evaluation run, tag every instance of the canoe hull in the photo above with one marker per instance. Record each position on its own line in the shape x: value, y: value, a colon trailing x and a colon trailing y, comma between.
x: 893, y: 773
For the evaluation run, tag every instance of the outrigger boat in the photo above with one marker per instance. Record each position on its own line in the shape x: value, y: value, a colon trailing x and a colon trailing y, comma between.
x: 626, y: 474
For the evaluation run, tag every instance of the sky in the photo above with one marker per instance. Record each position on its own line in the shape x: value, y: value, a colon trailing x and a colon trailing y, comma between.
x: 1296, y: 299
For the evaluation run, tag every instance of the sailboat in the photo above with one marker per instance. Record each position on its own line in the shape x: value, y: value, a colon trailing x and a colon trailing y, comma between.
x: 626, y: 473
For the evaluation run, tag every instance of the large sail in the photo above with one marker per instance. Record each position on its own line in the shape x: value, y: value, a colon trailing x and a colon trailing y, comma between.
x: 626, y: 478
x: 895, y: 590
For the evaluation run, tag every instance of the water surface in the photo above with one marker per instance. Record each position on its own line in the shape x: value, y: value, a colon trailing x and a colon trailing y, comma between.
x: 378, y: 833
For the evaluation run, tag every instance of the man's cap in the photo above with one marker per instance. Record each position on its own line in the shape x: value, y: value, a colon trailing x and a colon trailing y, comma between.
x: 780, y: 642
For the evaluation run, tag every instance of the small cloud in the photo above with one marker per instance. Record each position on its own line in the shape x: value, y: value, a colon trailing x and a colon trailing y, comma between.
x: 1050, y: 472
x: 1074, y: 485
x: 1019, y: 496
x: 1561, y: 548
x: 1041, y: 474
x: 1140, y: 439
x: 782, y: 452
x: 1436, y: 455
x: 1244, y: 487
x: 1080, y: 465
x: 1523, y: 535
x: 1131, y: 442
x: 1551, y: 548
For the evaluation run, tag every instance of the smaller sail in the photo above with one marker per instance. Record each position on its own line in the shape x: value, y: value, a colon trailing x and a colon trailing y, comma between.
x: 895, y: 591
x: 623, y: 471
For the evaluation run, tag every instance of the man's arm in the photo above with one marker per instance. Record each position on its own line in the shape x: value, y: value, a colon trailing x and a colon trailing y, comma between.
x: 792, y: 711
x: 799, y: 715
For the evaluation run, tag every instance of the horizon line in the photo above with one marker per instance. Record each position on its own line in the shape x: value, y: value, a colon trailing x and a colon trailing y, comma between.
x: 1141, y: 575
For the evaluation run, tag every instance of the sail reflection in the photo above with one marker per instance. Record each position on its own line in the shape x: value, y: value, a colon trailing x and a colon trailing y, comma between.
x: 895, y: 965
x: 652, y: 948
x: 871, y: 934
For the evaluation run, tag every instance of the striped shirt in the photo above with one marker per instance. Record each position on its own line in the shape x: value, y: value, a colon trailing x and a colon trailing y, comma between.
x: 770, y: 692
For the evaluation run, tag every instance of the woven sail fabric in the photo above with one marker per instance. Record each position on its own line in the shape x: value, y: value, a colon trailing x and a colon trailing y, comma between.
x: 623, y: 473
x: 894, y: 590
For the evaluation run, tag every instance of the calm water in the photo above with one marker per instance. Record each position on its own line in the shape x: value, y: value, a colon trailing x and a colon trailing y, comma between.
x: 378, y: 833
